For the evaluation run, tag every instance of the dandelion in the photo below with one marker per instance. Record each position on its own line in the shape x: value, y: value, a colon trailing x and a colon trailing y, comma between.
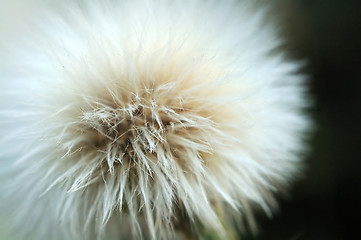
x: 151, y: 119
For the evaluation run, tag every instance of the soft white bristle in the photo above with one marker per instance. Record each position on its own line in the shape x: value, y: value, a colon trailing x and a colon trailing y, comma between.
x: 124, y: 117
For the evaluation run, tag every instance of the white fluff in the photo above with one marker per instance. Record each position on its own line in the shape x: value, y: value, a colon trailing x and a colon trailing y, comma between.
x: 141, y: 118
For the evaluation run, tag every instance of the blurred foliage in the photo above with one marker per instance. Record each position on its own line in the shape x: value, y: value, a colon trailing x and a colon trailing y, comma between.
x: 325, y: 204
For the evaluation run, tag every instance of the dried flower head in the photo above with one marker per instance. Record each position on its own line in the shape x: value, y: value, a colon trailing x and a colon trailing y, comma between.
x: 146, y: 117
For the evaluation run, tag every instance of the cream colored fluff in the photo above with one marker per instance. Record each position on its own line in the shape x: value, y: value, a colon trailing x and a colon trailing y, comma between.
x: 122, y: 118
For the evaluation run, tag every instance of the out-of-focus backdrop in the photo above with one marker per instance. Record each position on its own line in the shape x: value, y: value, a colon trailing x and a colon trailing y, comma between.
x: 326, y: 203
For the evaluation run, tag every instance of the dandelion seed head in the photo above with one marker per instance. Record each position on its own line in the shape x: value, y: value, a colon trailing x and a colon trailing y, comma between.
x: 136, y: 115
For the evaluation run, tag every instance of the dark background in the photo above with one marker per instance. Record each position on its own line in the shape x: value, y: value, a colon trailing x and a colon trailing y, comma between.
x: 326, y: 203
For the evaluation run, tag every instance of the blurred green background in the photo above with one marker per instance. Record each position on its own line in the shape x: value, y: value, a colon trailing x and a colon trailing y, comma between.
x: 326, y: 203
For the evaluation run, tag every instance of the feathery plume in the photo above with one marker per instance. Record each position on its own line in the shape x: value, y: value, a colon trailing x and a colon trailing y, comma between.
x: 155, y: 119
